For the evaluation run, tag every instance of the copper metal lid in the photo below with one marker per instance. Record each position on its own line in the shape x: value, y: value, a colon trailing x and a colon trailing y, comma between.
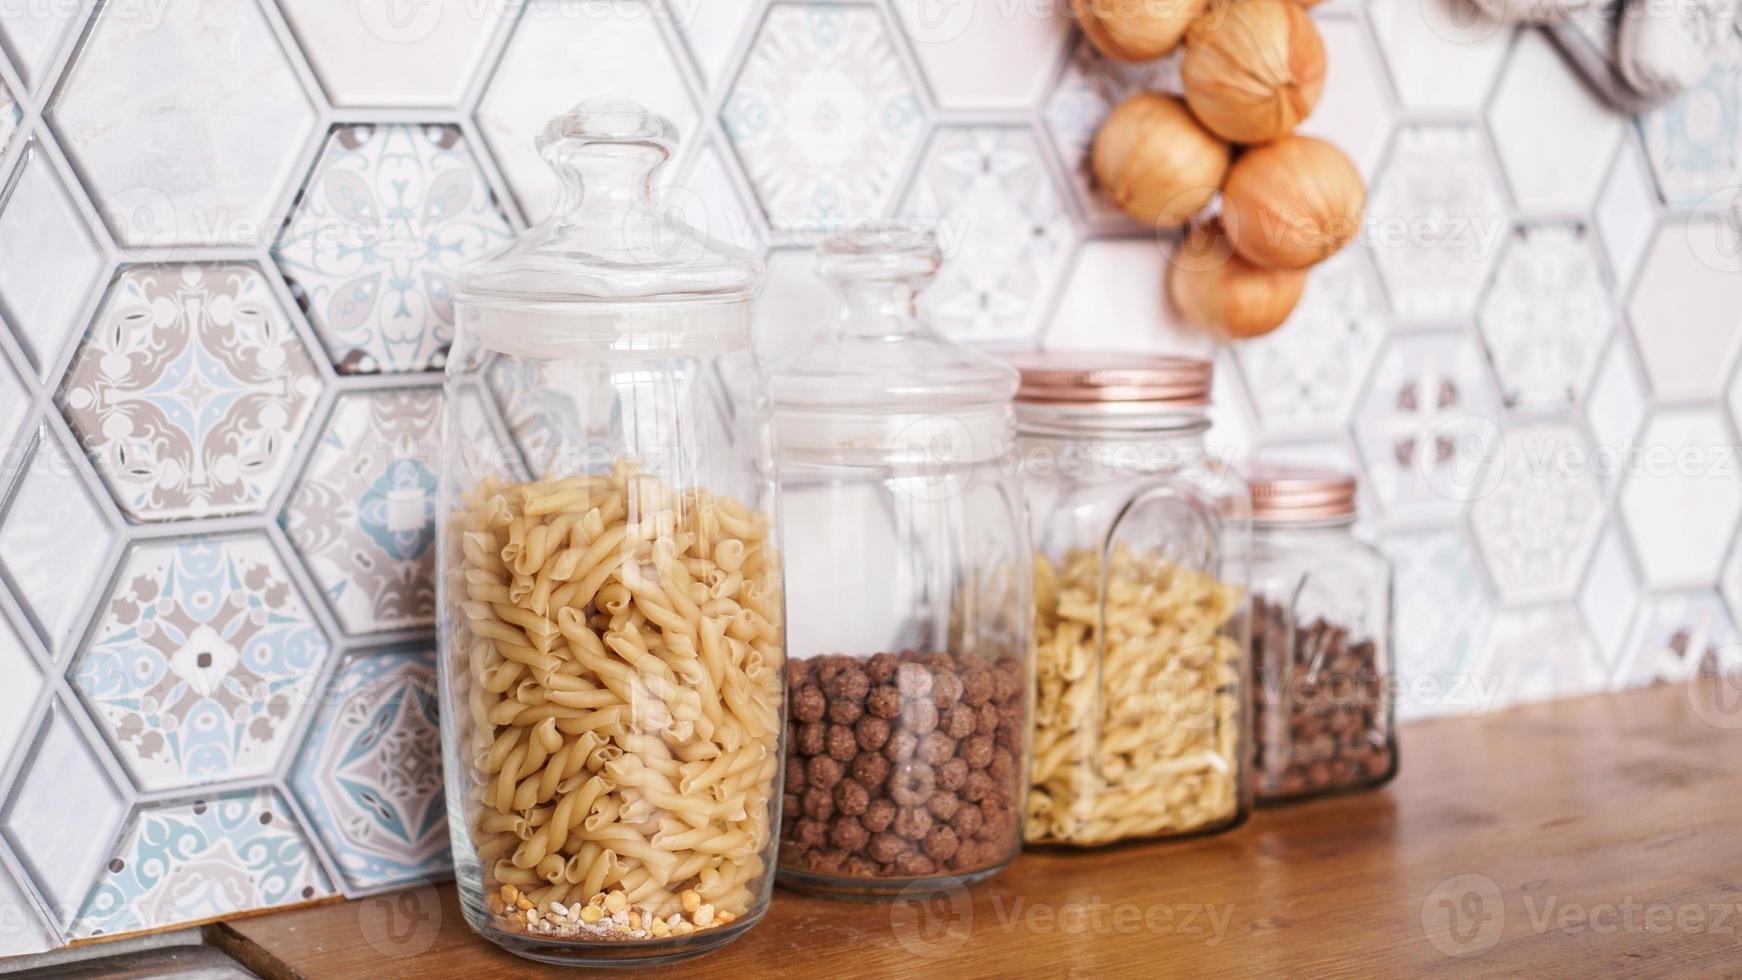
x: 1083, y: 377
x: 1300, y: 493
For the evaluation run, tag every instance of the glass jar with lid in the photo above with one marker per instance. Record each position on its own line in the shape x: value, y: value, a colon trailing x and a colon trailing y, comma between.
x: 611, y: 612
x: 1321, y: 639
x: 908, y: 718
x: 1142, y: 548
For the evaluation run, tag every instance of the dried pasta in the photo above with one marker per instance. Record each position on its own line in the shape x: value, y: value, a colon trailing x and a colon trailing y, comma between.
x: 1148, y: 742
x: 617, y: 650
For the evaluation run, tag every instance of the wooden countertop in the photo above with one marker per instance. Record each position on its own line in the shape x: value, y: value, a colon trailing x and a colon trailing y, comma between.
x: 1579, y: 837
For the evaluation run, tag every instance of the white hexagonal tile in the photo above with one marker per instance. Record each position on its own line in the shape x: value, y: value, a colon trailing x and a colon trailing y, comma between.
x: 1113, y: 300
x: 1693, y: 142
x: 1353, y: 112
x: 17, y: 695
x: 1616, y: 407
x: 1547, y: 316
x: 1542, y: 653
x: 563, y: 51
x: 1003, y: 227
x: 64, y: 813
x: 1443, y: 54
x: 170, y: 168
x: 708, y: 199
x: 1610, y: 593
x: 26, y: 931
x: 51, y: 509
x: 201, y: 666
x: 1540, y: 512
x: 1674, y: 635
x: 823, y: 115
x: 14, y: 408
x: 375, y: 246
x: 1086, y: 93
x: 1687, y: 347
x: 1554, y: 137
x: 1308, y: 373
x: 712, y: 29
x: 191, y: 391
x: 11, y: 116
x: 34, y: 33
x: 387, y: 54
x: 795, y: 303
x: 52, y: 261
x: 363, y: 515
x: 1426, y: 427
x: 1441, y: 618
x: 1436, y: 220
x: 1626, y: 211
x: 1682, y: 497
x: 985, y: 55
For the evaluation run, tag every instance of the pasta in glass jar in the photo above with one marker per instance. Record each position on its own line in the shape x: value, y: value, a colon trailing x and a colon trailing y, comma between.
x: 612, y: 614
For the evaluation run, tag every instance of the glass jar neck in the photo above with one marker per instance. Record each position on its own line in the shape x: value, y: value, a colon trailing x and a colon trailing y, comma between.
x: 877, y: 308
x: 1330, y: 527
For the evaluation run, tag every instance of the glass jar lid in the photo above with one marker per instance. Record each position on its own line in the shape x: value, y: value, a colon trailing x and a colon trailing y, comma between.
x: 1112, y: 379
x: 1300, y: 494
x: 608, y: 240
x: 880, y: 374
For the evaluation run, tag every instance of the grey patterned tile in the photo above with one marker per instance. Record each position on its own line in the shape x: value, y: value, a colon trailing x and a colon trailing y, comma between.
x: 1539, y: 512
x: 1091, y: 86
x: 1685, y: 465
x: 52, y: 260
x: 1443, y: 54
x: 1437, y: 219
x: 986, y: 55
x: 190, y: 391
x: 1547, y: 316
x: 167, y: 168
x: 1688, y: 348
x: 1442, y: 616
x: 1542, y: 653
x: 392, y: 54
x: 1554, y: 136
x: 1675, y: 633
x: 50, y: 509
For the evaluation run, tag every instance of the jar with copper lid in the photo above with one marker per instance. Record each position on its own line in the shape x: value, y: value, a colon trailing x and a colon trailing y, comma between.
x: 1321, y: 640
x: 1142, y: 544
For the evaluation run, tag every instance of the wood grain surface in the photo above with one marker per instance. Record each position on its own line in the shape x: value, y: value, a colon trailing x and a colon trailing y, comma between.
x: 1592, y: 837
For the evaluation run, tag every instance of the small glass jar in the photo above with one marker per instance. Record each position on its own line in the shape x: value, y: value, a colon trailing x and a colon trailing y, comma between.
x: 1141, y: 558
x: 1321, y: 640
x: 612, y: 667
x: 909, y: 714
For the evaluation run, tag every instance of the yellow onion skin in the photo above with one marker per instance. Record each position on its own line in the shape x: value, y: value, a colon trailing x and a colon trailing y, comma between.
x: 1156, y: 162
x: 1253, y: 69
x: 1292, y: 203
x: 1215, y: 289
x: 1136, y: 30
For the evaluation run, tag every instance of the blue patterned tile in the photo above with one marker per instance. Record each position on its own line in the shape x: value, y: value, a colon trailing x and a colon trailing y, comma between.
x: 203, y: 859
x: 1442, y: 616
x: 370, y: 775
x: 377, y: 240
x: 1695, y: 143
x: 203, y: 661
x: 1547, y: 316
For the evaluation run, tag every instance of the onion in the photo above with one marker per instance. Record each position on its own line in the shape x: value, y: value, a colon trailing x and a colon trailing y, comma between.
x: 1253, y: 69
x: 1155, y: 162
x: 1136, y: 30
x: 1214, y: 288
x: 1292, y: 203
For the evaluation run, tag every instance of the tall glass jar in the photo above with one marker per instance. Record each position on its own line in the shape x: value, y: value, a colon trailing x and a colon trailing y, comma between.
x: 1142, y: 546
x: 1321, y: 640
x: 611, y: 609
x: 908, y: 719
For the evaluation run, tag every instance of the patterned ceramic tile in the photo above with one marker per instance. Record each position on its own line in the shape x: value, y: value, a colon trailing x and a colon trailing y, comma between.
x: 64, y: 779
x: 1625, y: 213
x: 17, y: 697
x: 987, y: 55
x: 1442, y: 615
x: 1426, y: 427
x: 564, y: 51
x: 1089, y: 89
x: 363, y: 517
x: 1687, y: 348
x: 23, y: 930
x: 712, y: 29
x: 377, y: 241
x: 203, y: 859
x: 52, y: 262
x: 823, y: 115
x: 400, y: 54
x: 34, y: 32
x: 190, y: 391
x: 1617, y: 403
x: 54, y: 542
x: 1542, y: 653
x: 1685, y: 464
x: 370, y: 775
x: 1539, y: 512
x: 1003, y: 227
x: 203, y: 662
x: 1674, y: 635
x: 1554, y: 136
x: 1610, y: 594
x: 1353, y: 112
x: 1695, y: 142
x: 1437, y: 220
x: 1308, y: 373
x: 168, y: 168
x: 1443, y: 54
x: 1547, y: 316
x: 1112, y: 300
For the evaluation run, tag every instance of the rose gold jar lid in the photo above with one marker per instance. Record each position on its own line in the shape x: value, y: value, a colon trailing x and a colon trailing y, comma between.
x: 1086, y: 377
x: 1300, y: 493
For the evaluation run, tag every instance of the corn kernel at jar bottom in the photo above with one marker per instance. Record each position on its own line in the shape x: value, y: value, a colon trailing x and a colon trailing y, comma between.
x: 618, y: 649
x: 1150, y: 745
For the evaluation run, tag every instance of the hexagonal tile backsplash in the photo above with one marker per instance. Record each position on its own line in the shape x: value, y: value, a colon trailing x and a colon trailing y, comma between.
x: 229, y: 231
